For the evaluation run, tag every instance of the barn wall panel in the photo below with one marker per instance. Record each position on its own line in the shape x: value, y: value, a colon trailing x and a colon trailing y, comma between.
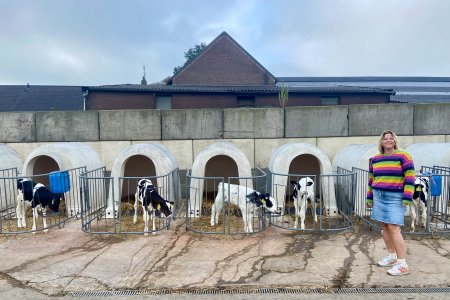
x: 137, y: 125
x: 17, y: 127
x: 67, y: 126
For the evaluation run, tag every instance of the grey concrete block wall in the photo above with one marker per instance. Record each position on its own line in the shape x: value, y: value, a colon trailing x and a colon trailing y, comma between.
x: 292, y: 122
x: 374, y: 119
x: 316, y: 121
x: 431, y: 119
x: 17, y: 127
x: 67, y: 126
x: 123, y: 125
x: 182, y: 124
x: 253, y: 123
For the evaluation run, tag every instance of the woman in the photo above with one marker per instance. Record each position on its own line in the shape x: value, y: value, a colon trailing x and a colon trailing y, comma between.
x: 391, y: 188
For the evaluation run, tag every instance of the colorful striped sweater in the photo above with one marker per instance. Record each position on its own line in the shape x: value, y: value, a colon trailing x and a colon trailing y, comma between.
x: 393, y: 173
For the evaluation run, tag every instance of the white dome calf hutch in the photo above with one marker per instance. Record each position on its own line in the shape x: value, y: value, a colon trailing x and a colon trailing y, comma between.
x: 57, y: 166
x: 117, y: 210
x: 293, y: 161
x: 198, y: 172
x: 63, y: 157
x: 221, y: 198
x: 10, y: 164
x: 355, y: 158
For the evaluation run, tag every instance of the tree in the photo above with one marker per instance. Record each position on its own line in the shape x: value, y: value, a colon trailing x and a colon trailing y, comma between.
x: 283, y: 95
x: 192, y: 53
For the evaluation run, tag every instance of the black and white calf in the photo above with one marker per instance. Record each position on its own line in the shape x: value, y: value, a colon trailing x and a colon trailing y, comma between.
x: 420, y: 197
x: 39, y: 197
x: 245, y: 198
x: 152, y: 203
x: 305, y: 189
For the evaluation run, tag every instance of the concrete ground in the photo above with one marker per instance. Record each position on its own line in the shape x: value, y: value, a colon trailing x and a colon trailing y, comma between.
x: 177, y: 264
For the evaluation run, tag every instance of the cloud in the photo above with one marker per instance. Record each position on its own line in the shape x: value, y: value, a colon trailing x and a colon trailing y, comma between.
x: 82, y: 42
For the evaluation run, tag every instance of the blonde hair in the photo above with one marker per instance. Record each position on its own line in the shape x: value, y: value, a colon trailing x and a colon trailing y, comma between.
x: 394, y: 136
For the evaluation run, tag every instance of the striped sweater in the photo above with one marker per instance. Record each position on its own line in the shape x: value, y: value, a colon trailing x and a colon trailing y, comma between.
x: 393, y: 173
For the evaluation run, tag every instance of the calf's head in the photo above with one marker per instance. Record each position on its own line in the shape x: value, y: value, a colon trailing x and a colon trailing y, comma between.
x: 55, y: 202
x: 301, y: 187
x: 421, y: 188
x: 262, y: 200
x: 158, y: 203
x: 20, y: 183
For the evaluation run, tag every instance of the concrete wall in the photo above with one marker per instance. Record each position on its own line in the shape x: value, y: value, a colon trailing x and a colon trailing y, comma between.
x: 317, y: 121
x: 257, y: 132
x: 182, y: 124
x: 136, y: 125
x: 253, y: 123
x: 374, y: 119
x: 67, y: 126
x: 258, y: 123
x: 432, y: 119
x: 17, y: 127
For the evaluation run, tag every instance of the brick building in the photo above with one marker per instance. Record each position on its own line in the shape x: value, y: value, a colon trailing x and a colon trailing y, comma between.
x: 225, y: 75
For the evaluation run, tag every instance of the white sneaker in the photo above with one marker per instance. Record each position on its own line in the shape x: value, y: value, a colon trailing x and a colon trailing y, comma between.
x: 398, y: 269
x: 387, y: 261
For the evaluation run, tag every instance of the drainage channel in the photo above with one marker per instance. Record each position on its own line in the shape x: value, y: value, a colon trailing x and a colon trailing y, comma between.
x: 406, y: 290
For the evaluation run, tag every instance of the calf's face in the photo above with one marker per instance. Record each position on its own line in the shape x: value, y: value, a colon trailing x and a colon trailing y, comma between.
x: 151, y: 197
x: 164, y: 209
x: 261, y: 200
x: 20, y: 183
x: 54, y: 203
x: 421, y: 188
x: 301, y: 187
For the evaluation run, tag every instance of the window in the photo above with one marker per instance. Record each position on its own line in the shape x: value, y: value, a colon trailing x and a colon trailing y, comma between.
x: 163, y: 102
x: 245, y: 101
x: 329, y: 101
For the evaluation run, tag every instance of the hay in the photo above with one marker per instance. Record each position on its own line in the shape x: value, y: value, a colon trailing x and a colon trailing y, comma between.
x: 229, y: 221
x: 9, y: 222
x: 124, y: 223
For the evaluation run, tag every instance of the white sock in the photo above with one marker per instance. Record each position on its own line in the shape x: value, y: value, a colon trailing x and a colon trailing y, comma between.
x: 402, y: 262
x: 393, y: 255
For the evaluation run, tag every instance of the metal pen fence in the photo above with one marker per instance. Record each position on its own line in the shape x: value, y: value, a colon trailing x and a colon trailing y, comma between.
x: 95, y: 187
x: 8, y: 191
x: 438, y: 199
x: 70, y: 205
x: 359, y: 201
x: 330, y: 210
x: 237, y: 216
x: 107, y: 213
x: 437, y: 209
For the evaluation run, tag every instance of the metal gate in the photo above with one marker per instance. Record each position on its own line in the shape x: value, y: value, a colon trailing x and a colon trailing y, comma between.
x: 107, y: 213
x: 70, y: 206
x: 438, y: 199
x: 330, y: 210
x: 214, y: 213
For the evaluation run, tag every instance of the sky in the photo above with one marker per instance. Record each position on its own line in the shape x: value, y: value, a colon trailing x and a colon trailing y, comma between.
x: 99, y: 42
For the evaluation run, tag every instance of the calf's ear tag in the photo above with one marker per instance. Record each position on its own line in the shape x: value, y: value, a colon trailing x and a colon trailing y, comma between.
x: 158, y: 207
x: 419, y: 189
x: 263, y: 201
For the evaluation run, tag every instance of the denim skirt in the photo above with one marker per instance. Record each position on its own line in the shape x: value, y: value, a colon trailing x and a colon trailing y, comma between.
x: 388, y: 207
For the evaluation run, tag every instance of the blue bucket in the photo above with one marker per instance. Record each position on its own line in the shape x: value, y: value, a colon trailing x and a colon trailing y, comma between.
x: 59, y: 181
x: 435, y: 184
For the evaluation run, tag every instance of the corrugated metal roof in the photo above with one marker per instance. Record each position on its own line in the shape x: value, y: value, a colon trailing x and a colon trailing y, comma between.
x: 407, y: 89
x: 40, y: 98
x: 236, y: 88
